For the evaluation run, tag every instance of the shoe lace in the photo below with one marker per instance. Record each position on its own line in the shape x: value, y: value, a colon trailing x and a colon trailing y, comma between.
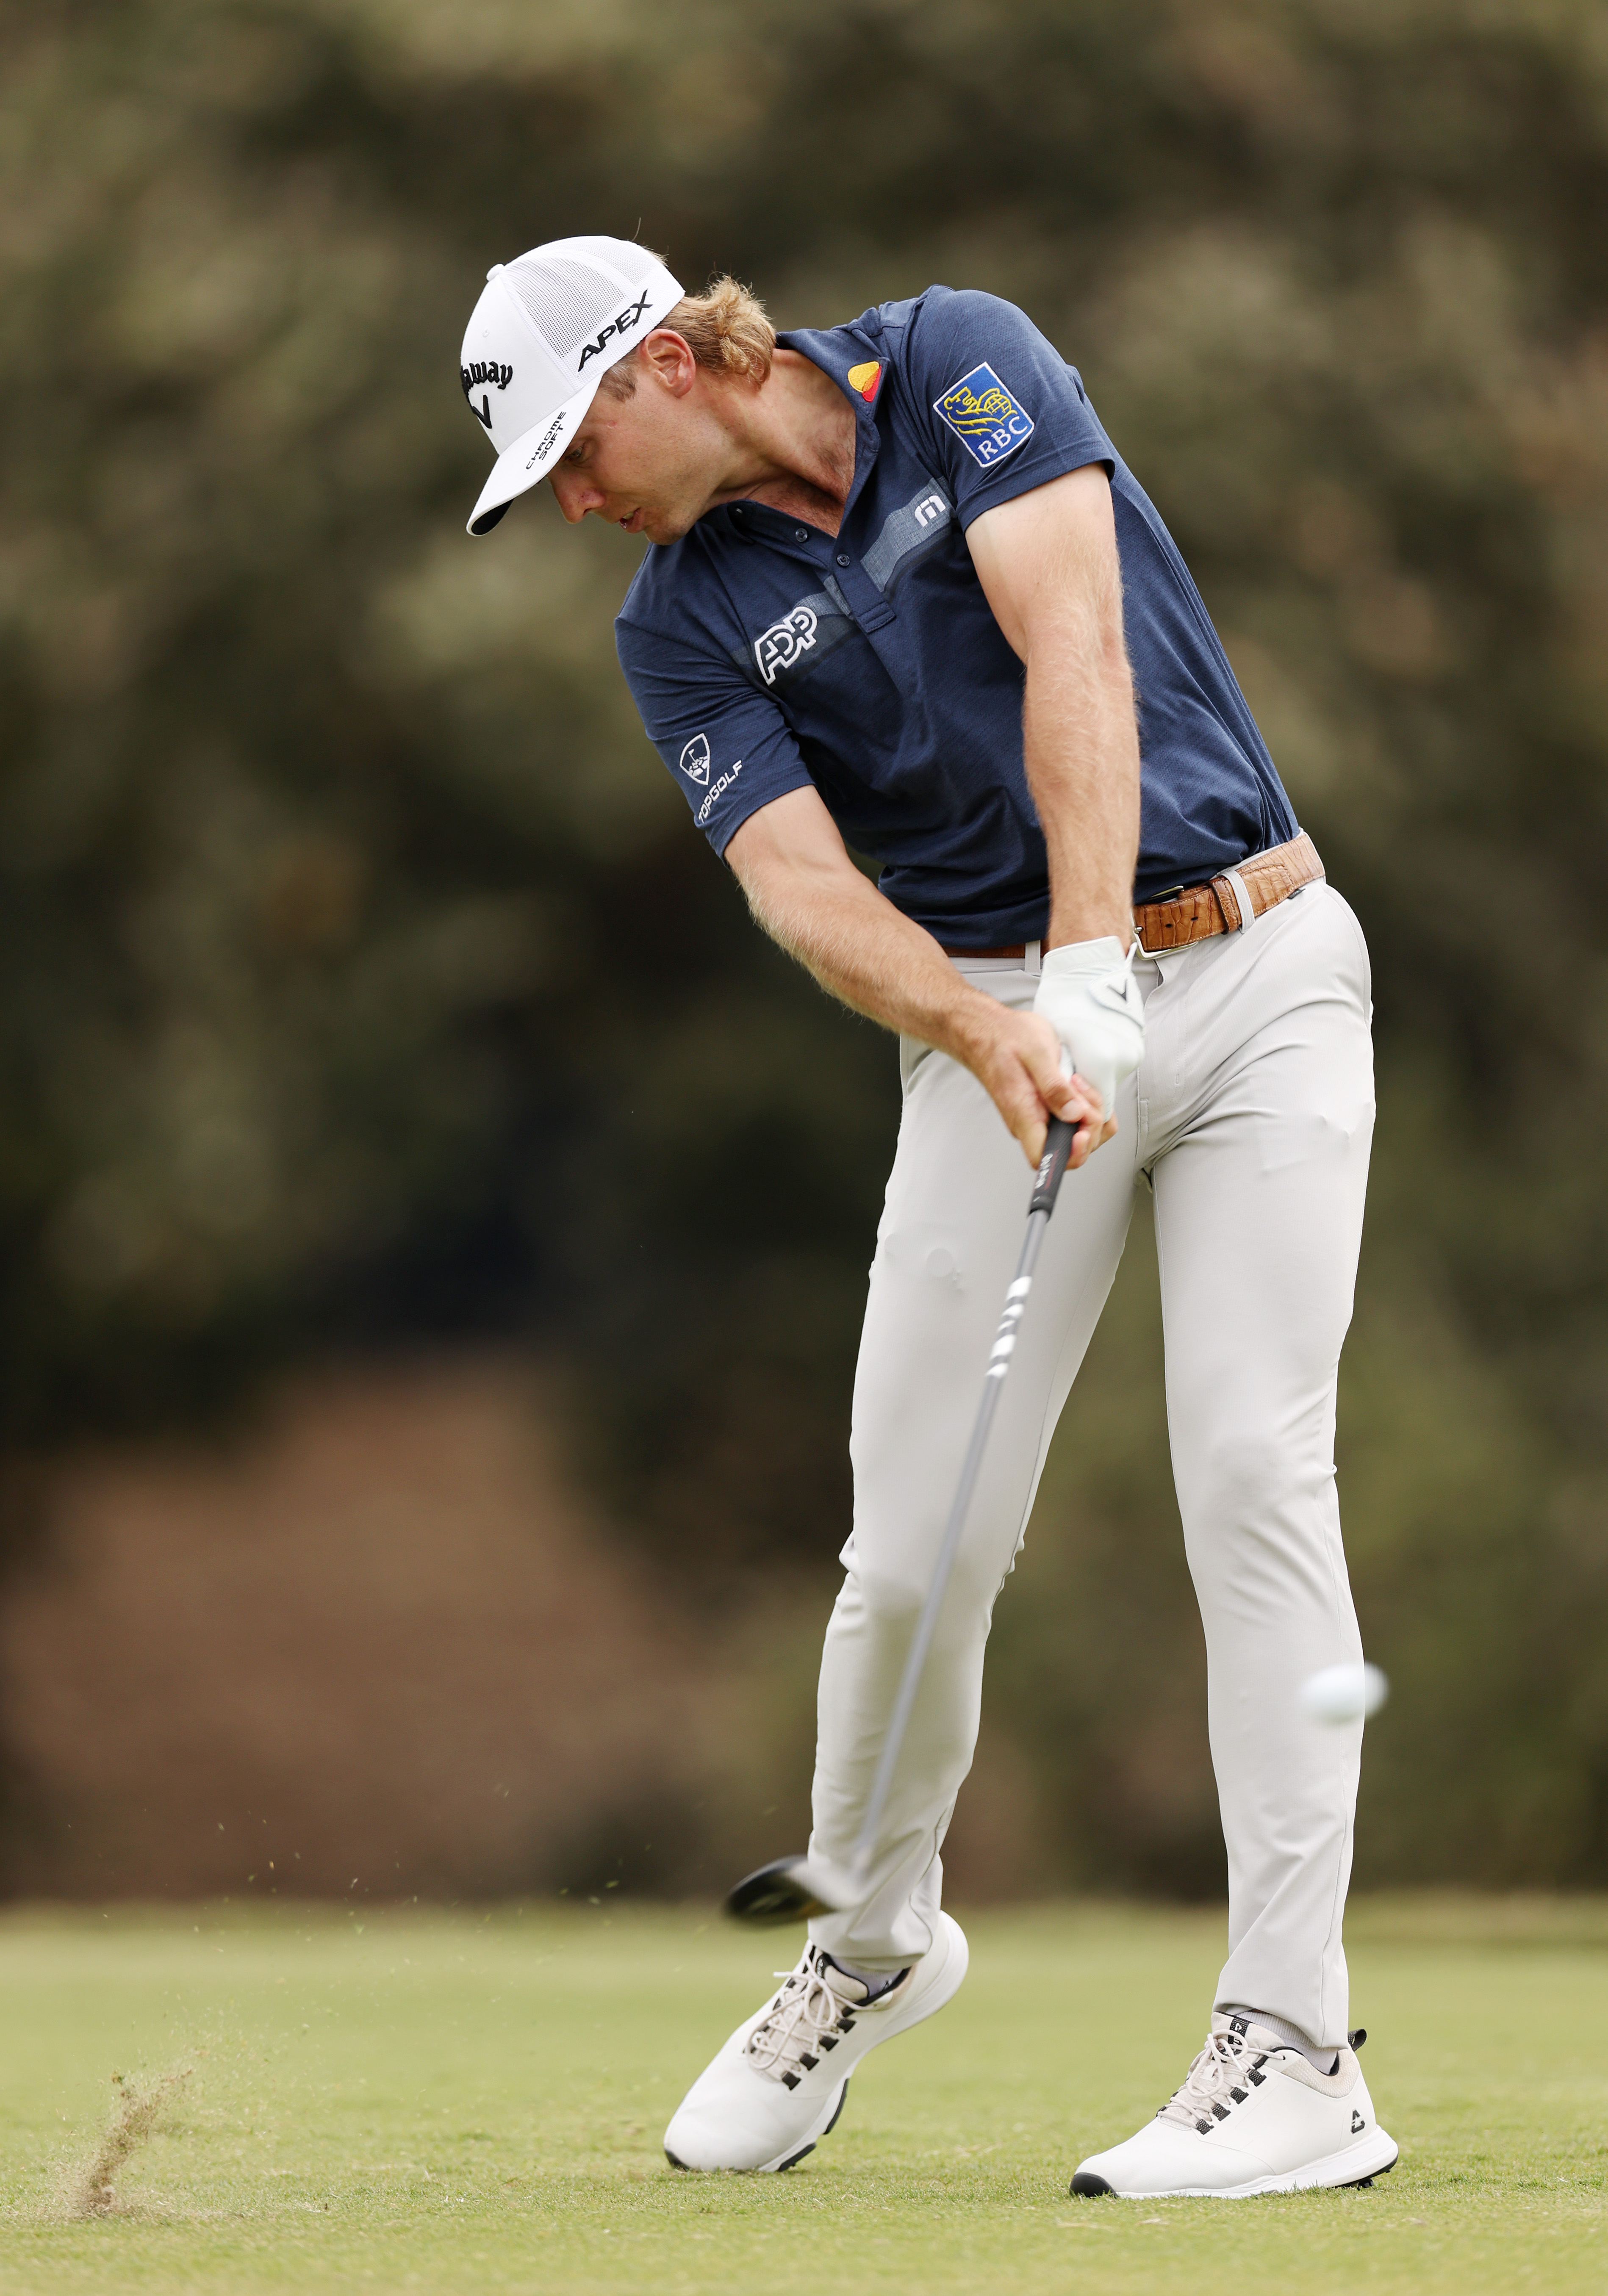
x: 806, y: 2019
x: 1223, y: 2075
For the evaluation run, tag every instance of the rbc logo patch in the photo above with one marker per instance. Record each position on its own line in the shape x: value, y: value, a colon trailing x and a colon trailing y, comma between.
x: 984, y: 416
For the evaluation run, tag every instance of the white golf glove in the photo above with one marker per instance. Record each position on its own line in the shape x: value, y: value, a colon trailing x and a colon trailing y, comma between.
x: 1087, y: 993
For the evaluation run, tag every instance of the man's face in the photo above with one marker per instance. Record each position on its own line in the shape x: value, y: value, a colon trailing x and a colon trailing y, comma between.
x: 650, y: 464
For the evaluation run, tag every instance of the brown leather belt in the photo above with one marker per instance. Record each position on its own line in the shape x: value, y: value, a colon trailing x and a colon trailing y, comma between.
x: 1198, y: 912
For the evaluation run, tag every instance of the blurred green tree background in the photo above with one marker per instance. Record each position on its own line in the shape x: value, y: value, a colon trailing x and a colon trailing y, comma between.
x: 364, y: 983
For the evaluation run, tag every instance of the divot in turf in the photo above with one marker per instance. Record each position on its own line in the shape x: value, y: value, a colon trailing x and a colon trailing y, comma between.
x: 138, y: 2111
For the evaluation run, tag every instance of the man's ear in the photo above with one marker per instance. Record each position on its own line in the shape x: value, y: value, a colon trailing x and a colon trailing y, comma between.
x: 667, y: 358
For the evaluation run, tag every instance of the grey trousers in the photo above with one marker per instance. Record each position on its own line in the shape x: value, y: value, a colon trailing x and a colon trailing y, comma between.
x: 1252, y: 1114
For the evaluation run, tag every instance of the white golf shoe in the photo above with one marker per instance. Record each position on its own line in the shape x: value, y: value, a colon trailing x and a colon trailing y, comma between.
x: 1253, y: 2116
x: 779, y: 2083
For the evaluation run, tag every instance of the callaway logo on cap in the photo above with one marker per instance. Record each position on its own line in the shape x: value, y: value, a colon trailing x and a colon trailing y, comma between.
x: 548, y: 329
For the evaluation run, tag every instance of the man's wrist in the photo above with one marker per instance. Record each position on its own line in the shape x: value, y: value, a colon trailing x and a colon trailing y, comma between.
x: 971, y: 1028
x: 1091, y: 924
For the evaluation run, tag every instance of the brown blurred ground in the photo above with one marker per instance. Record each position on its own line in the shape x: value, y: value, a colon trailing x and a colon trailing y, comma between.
x: 378, y: 1642
x: 380, y: 1647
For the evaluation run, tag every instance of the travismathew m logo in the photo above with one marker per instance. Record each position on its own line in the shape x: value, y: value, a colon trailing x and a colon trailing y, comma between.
x: 621, y: 327
x: 1357, y: 2123
x: 780, y: 646
x: 473, y: 376
x: 695, y: 758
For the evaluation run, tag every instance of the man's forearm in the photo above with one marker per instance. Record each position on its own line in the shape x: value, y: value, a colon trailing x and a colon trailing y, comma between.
x: 859, y: 947
x: 801, y: 885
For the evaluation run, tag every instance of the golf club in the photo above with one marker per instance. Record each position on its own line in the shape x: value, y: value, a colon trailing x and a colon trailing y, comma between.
x: 795, y: 1889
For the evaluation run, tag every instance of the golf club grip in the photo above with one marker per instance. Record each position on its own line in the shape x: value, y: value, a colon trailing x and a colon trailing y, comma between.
x: 1052, y: 1165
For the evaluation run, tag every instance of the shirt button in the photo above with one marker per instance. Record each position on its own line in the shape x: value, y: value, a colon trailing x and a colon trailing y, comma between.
x: 843, y: 558
x: 800, y: 534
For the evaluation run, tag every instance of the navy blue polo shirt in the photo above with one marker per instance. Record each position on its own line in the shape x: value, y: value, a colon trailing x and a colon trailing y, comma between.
x: 766, y: 656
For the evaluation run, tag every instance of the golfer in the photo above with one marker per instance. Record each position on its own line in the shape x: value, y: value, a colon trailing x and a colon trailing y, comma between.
x: 905, y: 597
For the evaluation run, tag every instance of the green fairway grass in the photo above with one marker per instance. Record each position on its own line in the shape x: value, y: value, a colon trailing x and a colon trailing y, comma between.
x: 474, y: 2101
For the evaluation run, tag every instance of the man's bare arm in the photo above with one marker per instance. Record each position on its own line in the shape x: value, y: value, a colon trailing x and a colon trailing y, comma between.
x: 807, y: 894
x: 1048, y: 561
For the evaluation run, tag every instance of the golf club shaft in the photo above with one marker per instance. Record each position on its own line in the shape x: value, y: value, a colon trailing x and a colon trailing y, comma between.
x: 1046, y: 1186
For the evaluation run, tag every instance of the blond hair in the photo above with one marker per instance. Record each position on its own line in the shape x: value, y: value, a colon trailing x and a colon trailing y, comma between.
x: 726, y: 330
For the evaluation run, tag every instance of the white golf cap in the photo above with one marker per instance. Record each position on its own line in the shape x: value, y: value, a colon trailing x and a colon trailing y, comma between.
x: 548, y: 329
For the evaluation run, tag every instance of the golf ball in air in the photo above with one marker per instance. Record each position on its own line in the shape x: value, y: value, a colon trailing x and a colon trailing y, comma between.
x: 1344, y: 1694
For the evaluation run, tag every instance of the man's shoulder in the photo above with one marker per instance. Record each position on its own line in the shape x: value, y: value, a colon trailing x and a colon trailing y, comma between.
x: 838, y: 347
x: 678, y: 606
x: 642, y: 595
x: 911, y: 328
x: 950, y: 324
x: 670, y: 575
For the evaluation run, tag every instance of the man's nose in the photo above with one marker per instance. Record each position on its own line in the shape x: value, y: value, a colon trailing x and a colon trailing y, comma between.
x: 574, y: 496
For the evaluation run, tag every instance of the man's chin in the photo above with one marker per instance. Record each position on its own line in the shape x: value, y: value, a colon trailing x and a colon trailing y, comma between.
x: 666, y: 526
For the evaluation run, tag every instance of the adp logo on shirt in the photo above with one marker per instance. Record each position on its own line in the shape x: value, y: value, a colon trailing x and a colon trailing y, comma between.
x: 780, y: 646
x: 984, y: 416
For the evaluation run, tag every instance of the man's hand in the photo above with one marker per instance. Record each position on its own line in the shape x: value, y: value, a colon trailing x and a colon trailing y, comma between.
x: 1018, y: 1056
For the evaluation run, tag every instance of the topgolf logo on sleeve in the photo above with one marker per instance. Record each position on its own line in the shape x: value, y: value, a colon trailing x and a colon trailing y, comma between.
x: 695, y: 758
x: 716, y: 793
x: 983, y: 415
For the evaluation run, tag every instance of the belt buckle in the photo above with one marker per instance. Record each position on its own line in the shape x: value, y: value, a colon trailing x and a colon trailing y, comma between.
x: 1173, y: 893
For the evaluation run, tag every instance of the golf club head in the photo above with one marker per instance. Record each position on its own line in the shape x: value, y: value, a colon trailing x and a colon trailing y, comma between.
x: 789, y: 1890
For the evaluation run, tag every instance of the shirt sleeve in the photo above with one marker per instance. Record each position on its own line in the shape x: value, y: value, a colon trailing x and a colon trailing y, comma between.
x: 1001, y: 409
x: 728, y: 747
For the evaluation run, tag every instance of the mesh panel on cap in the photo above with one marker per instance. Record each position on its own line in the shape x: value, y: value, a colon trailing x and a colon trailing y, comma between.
x: 568, y: 301
x: 633, y: 263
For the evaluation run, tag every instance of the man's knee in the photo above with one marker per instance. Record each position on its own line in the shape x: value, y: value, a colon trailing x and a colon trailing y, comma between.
x: 1242, y: 1481
x: 892, y: 1592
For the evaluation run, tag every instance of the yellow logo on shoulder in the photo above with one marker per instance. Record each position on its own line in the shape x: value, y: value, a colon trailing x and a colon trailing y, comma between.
x: 866, y: 378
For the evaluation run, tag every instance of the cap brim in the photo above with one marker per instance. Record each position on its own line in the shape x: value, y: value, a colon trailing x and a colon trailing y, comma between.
x: 528, y: 460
